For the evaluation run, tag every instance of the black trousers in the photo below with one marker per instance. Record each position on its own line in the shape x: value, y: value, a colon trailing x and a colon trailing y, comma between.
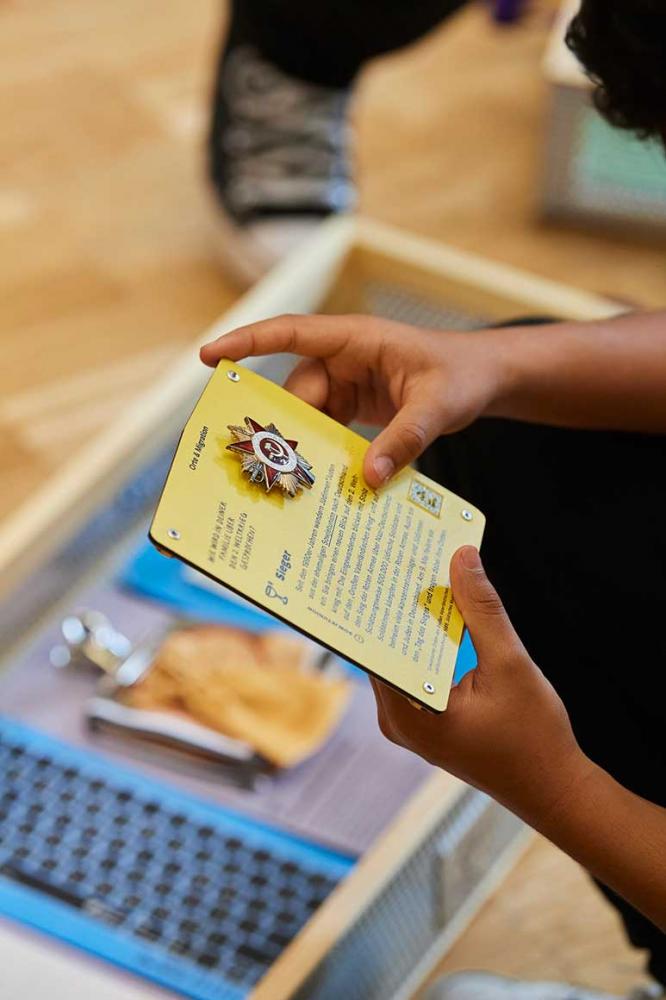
x: 576, y: 546
x: 328, y: 41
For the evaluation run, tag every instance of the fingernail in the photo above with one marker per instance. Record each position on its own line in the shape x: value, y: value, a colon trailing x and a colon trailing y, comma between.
x: 470, y: 557
x: 384, y: 467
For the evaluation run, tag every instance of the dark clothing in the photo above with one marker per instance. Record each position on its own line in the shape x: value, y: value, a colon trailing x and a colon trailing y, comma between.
x: 576, y: 545
x: 328, y: 42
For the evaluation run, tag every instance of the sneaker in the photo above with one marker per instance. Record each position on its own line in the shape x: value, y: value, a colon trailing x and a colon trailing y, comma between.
x: 278, y: 159
x: 482, y: 986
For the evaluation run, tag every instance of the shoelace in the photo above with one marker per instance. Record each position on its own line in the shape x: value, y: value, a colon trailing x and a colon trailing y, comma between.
x: 284, y: 135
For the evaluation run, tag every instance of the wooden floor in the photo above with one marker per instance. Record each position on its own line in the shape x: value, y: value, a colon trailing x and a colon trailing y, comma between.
x: 107, y: 268
x: 548, y: 922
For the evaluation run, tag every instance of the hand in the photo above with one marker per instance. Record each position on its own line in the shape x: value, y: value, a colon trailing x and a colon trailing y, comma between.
x: 421, y: 383
x: 505, y: 730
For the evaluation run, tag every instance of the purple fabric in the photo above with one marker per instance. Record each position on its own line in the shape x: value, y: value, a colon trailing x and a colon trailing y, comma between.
x: 508, y: 10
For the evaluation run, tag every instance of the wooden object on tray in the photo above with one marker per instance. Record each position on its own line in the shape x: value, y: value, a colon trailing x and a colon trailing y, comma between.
x: 259, y: 689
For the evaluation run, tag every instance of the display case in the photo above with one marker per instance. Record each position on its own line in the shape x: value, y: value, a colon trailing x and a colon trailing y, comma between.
x: 418, y: 879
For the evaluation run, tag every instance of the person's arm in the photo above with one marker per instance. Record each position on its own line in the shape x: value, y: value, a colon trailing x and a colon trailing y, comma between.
x: 505, y: 729
x: 617, y: 836
x: 507, y: 732
x: 609, y: 374
x: 423, y: 383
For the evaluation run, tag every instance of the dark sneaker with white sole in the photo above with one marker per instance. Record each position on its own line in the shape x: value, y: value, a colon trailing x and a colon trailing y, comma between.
x: 279, y: 159
x: 483, y: 986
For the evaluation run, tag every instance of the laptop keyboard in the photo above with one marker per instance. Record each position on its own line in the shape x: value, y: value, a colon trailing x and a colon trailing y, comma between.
x: 195, y: 897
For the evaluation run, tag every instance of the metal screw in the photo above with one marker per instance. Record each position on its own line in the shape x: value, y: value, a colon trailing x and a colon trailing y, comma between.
x: 233, y: 376
x: 428, y: 687
x: 173, y: 533
x: 467, y: 515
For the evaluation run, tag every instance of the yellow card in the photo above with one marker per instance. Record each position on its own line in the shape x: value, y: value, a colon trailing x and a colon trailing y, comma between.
x: 267, y: 496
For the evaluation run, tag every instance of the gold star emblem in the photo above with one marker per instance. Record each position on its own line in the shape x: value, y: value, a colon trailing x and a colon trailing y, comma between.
x: 269, y: 459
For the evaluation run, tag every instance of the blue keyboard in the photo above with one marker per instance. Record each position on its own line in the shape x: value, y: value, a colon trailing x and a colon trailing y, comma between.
x: 195, y: 897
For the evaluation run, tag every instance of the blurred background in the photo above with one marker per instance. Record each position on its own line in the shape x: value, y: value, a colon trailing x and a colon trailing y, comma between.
x: 110, y: 266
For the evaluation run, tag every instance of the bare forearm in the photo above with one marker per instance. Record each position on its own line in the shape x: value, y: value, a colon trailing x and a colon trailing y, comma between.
x: 603, y: 375
x: 617, y: 836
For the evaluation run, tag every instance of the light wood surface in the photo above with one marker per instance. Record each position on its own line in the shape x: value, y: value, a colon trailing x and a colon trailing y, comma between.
x: 548, y: 922
x: 106, y: 255
x: 106, y: 233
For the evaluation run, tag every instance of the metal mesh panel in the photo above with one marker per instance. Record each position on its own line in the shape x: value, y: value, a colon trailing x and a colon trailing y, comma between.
x: 392, y: 302
x: 126, y: 508
x: 466, y: 849
x: 383, y: 946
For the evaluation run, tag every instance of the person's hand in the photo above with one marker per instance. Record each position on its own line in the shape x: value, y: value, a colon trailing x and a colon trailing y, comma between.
x: 505, y: 730
x: 421, y: 383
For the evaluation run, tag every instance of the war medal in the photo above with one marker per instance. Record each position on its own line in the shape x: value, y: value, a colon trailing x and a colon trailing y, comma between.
x: 269, y: 459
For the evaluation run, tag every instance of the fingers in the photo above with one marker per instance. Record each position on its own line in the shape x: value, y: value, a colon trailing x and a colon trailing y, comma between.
x: 382, y: 716
x: 311, y: 336
x: 493, y: 635
x: 309, y: 380
x: 402, y: 441
x: 395, y: 712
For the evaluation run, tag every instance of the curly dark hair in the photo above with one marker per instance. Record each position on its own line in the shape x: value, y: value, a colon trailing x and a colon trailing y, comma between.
x: 622, y: 45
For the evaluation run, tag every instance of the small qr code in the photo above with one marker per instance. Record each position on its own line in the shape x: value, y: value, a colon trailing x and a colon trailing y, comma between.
x: 425, y: 497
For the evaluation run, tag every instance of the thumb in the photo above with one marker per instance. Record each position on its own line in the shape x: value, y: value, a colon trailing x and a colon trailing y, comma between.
x: 492, y: 633
x: 411, y: 431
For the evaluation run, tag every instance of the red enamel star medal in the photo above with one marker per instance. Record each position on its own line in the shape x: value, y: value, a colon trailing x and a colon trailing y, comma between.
x: 269, y: 459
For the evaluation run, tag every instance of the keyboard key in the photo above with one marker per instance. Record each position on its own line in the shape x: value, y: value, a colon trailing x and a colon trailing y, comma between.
x: 208, y: 960
x: 26, y: 877
x: 217, y: 939
x: 281, y: 940
x: 180, y: 947
x: 258, y: 955
x: 150, y: 931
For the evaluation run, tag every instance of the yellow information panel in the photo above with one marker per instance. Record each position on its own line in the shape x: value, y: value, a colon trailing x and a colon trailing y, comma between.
x: 267, y: 496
